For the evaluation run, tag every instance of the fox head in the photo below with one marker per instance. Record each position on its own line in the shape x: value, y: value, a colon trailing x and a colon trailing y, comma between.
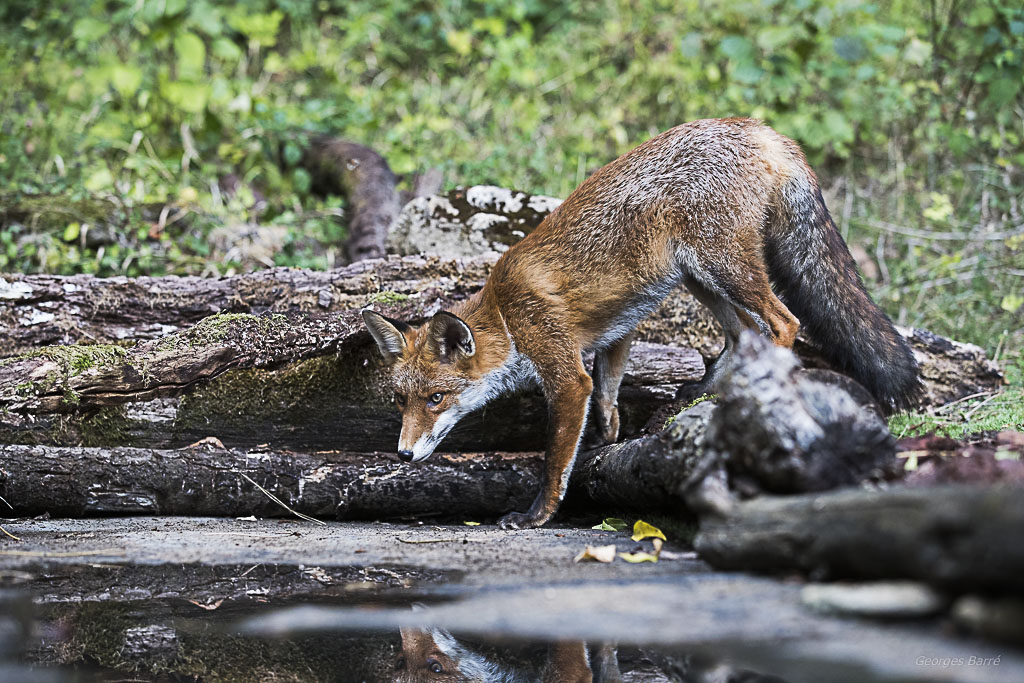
x: 435, y: 655
x: 439, y: 373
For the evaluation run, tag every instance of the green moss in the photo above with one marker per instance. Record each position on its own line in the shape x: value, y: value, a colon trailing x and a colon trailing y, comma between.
x: 387, y: 297
x: 107, y: 427
x: 217, y: 328
x: 983, y: 414
x: 72, y: 360
x: 286, y: 395
x: 699, y: 399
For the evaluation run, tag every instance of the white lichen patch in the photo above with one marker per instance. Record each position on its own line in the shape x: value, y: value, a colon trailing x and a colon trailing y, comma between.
x: 35, y: 317
x: 493, y: 198
x: 14, y: 290
x: 543, y: 204
x: 485, y: 221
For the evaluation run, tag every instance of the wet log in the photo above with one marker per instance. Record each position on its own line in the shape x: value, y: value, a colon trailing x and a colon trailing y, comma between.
x: 364, y: 178
x: 956, y: 537
x: 80, y: 482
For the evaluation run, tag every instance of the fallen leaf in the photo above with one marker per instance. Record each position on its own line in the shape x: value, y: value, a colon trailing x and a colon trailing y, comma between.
x: 472, y: 523
x: 598, y: 553
x: 611, y: 524
x: 208, y: 607
x: 207, y: 441
x: 642, y: 530
x: 638, y: 557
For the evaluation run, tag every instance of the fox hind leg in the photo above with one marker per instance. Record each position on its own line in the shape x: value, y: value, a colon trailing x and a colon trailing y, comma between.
x: 609, y: 366
x: 739, y: 303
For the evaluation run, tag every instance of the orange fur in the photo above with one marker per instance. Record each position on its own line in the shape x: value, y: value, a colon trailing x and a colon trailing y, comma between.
x: 726, y: 207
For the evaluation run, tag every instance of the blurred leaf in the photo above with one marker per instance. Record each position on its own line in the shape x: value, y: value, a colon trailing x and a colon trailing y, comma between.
x: 600, y: 553
x: 1011, y: 302
x: 634, y: 558
x: 460, y: 41
x: 611, y: 524
x: 642, y: 530
x: 191, y: 55
x: 71, y: 232
x: 87, y: 30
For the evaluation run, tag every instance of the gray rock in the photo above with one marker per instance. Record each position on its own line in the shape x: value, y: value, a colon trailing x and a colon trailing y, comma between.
x: 468, y: 221
x: 880, y: 600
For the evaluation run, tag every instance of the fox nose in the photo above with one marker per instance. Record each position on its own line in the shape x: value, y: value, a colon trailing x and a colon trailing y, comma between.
x: 406, y: 456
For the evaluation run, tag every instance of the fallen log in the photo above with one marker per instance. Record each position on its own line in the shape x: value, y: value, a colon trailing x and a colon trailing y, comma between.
x: 336, y: 401
x: 956, y: 537
x: 81, y: 482
x: 39, y: 310
x: 775, y: 428
x: 364, y: 178
x: 43, y: 310
x: 827, y: 437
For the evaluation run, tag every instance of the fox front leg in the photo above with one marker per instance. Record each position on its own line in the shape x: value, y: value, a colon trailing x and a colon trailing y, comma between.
x: 568, y: 402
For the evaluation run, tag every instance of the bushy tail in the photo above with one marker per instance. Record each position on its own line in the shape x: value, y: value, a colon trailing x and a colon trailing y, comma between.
x: 817, y: 278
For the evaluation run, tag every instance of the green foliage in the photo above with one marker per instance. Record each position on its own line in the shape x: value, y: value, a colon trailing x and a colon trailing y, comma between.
x: 910, y: 110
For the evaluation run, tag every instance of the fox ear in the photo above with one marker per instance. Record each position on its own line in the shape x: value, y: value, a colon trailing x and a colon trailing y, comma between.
x: 451, y: 337
x: 388, y: 333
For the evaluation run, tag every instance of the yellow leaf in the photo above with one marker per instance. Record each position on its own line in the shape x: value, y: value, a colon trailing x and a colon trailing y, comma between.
x: 642, y: 530
x: 634, y: 558
x: 598, y: 553
x: 472, y: 523
x: 610, y: 524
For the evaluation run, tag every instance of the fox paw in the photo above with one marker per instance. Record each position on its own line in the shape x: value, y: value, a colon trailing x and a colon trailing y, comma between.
x: 520, y: 520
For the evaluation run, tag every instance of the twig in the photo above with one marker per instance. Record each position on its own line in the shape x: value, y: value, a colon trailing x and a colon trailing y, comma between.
x: 4, y: 501
x: 77, y: 553
x: 965, y: 398
x: 281, y: 502
x: 440, y: 540
x: 8, y: 533
x: 969, y: 414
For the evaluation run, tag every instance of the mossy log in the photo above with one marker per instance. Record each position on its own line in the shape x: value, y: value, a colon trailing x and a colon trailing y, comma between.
x: 336, y: 401
x: 38, y: 310
x: 959, y: 537
x: 43, y: 310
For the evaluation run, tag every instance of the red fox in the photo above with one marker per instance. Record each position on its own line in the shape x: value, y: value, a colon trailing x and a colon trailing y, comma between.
x: 727, y: 207
x: 435, y: 655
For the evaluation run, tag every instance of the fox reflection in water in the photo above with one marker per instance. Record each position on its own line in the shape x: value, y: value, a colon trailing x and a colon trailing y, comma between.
x: 435, y: 655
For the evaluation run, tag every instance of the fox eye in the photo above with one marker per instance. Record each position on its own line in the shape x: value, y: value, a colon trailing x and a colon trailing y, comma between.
x: 435, y: 666
x: 435, y: 399
x: 399, y: 400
